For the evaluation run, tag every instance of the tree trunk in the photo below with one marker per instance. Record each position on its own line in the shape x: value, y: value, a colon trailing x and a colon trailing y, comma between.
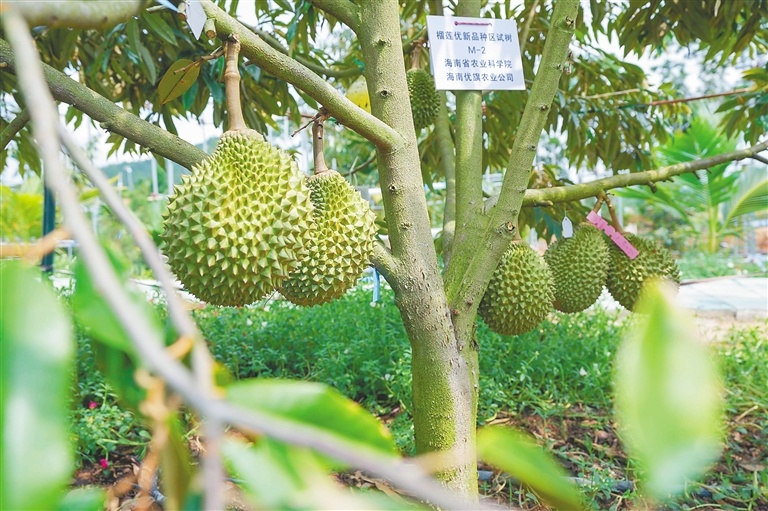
x: 444, y: 364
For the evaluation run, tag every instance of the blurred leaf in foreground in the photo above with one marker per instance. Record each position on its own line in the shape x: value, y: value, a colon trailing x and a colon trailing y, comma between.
x: 36, y: 357
x: 668, y: 397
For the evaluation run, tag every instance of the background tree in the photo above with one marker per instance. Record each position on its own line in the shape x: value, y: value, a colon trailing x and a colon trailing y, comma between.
x: 573, y: 97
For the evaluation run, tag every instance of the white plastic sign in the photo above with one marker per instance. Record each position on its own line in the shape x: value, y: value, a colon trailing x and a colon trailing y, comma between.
x: 567, y: 228
x: 195, y: 17
x: 475, y: 53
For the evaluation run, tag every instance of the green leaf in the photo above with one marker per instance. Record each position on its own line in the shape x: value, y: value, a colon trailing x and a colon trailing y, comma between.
x: 668, y: 400
x: 274, y: 475
x: 36, y: 358
x: 174, y: 84
x: 519, y: 455
x: 84, y: 499
x: 750, y: 197
x: 315, y: 405
x: 92, y: 312
x: 113, y: 350
x: 176, y: 466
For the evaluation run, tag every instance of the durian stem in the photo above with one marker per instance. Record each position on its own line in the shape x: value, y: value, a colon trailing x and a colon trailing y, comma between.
x: 614, y: 217
x: 416, y: 55
x: 598, y: 204
x: 232, y: 85
x: 317, y: 145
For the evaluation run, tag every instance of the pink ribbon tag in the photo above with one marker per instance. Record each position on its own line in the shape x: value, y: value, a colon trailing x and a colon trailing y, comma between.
x: 612, y: 233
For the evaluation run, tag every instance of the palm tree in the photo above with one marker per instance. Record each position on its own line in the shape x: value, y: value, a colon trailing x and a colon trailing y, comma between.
x: 710, y: 200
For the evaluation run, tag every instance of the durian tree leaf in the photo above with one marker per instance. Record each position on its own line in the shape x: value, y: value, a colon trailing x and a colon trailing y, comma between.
x: 92, y: 312
x: 113, y: 349
x: 175, y: 465
x: 314, y: 405
x: 520, y: 456
x: 83, y: 499
x: 36, y: 358
x: 275, y: 475
x: 174, y: 84
x: 668, y: 399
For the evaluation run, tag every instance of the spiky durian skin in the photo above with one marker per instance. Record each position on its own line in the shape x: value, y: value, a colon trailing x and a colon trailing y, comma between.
x: 237, y: 225
x: 626, y: 276
x: 579, y: 267
x: 341, y: 244
x: 519, y: 295
x: 425, y: 100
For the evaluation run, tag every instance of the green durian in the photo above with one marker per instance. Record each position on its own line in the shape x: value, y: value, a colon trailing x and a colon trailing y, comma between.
x: 579, y: 267
x: 341, y: 244
x: 237, y: 225
x: 626, y: 276
x: 519, y: 295
x: 425, y: 100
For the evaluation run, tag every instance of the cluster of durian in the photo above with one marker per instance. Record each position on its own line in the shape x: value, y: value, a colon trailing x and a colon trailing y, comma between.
x: 570, y: 277
x: 586, y: 262
x: 246, y: 222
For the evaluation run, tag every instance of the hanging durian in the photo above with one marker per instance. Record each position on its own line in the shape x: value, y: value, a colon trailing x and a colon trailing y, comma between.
x: 342, y: 237
x: 519, y: 295
x: 237, y: 225
x: 579, y: 267
x: 626, y: 276
x: 425, y: 100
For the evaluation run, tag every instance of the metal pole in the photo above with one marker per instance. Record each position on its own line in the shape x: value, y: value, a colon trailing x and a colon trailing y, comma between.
x: 49, y: 224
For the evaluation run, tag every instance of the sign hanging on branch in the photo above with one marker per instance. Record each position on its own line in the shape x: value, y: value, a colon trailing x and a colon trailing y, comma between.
x: 475, y: 53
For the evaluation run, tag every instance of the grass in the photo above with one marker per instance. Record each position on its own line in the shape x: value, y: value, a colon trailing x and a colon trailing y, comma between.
x: 554, y: 382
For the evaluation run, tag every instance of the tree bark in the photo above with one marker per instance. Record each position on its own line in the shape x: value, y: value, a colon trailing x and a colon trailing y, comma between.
x: 444, y: 366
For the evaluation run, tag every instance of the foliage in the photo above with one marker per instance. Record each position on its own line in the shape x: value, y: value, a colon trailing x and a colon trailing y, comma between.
x: 123, y: 64
x: 711, y: 200
x: 21, y: 215
x: 35, y: 359
x: 100, y: 425
x: 362, y: 350
x: 701, y: 265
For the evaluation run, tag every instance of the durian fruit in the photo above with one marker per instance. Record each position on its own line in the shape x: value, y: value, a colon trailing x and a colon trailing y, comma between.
x: 626, y: 276
x: 519, y: 295
x: 237, y: 225
x: 342, y: 237
x: 579, y: 266
x: 425, y: 100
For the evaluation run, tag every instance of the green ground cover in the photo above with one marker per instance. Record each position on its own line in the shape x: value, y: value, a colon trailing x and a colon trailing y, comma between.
x: 554, y: 381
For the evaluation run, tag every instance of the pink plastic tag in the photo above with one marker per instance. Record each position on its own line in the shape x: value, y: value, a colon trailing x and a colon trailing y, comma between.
x: 616, y: 236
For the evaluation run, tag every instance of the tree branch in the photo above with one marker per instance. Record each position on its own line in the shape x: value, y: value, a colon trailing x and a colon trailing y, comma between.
x: 447, y: 150
x: 470, y: 271
x: 448, y: 163
x: 584, y: 190
x: 527, y: 26
x: 318, y: 69
x: 112, y: 117
x: 18, y: 122
x: 469, y: 148
x: 343, y: 10
x: 176, y: 310
x: 289, y: 70
x: 76, y: 13
x: 383, y: 261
